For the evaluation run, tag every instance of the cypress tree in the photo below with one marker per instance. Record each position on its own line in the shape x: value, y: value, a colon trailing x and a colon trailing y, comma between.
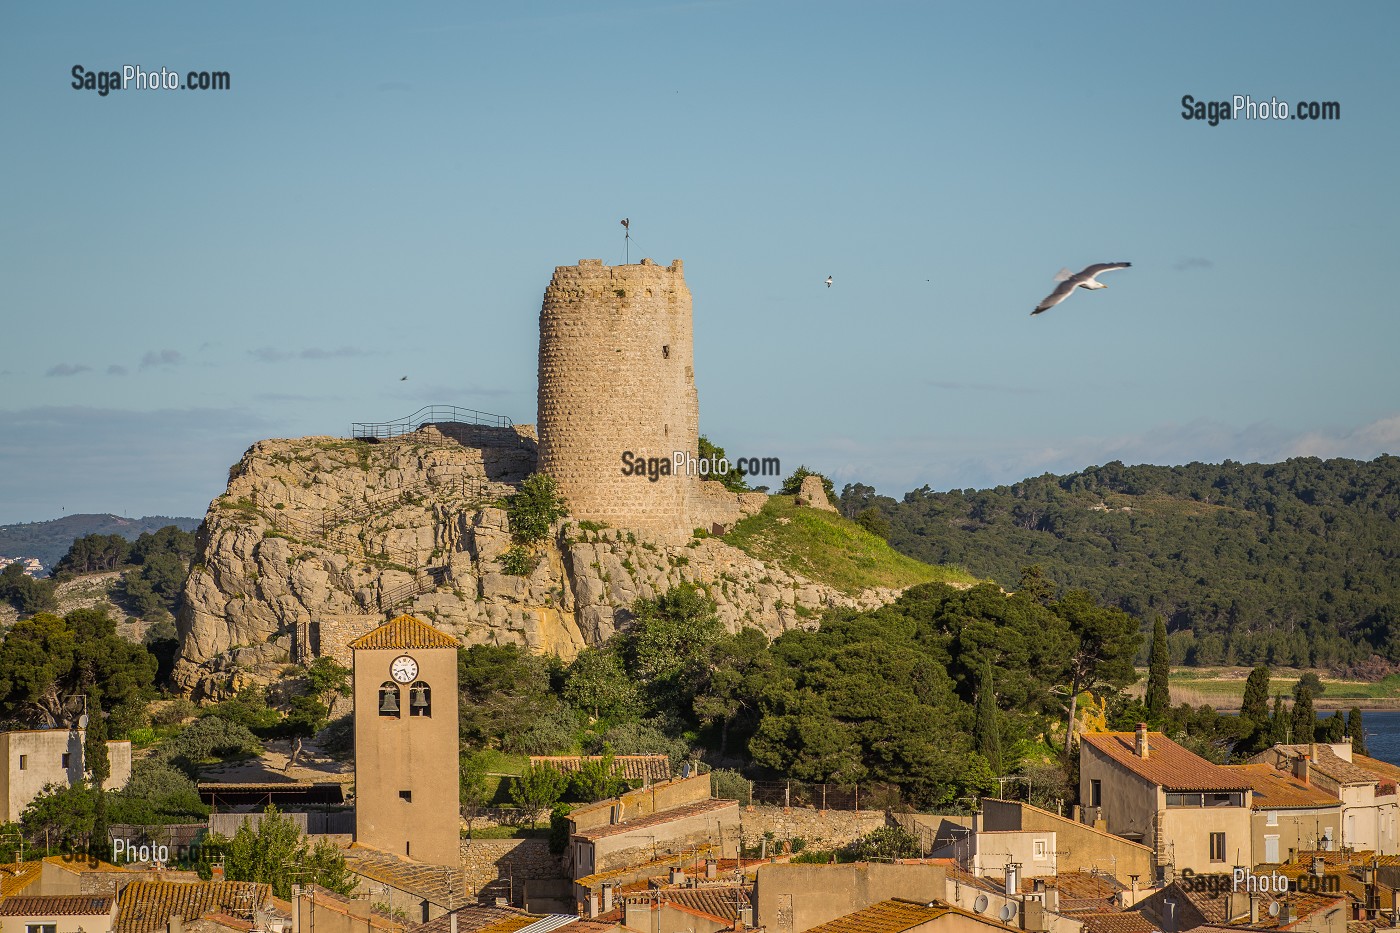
x: 1280, y: 726
x: 1159, y: 698
x: 1255, y: 706
x: 99, y: 768
x: 986, y: 733
x: 1304, y: 720
x: 1356, y: 731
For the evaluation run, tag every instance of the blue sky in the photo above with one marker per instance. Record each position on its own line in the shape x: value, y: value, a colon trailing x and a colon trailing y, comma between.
x: 385, y: 191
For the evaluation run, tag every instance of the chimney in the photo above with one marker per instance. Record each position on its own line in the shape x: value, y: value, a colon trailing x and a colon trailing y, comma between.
x: 217, y: 872
x: 745, y: 915
x: 711, y: 869
x: 1132, y: 886
x: 1286, y: 913
x: 1052, y: 898
x: 1302, y: 769
x: 1140, y: 748
x: 1254, y: 909
x: 452, y: 922
x: 592, y: 910
x: 677, y: 876
x: 1319, y: 866
x: 607, y: 896
x: 1013, y: 879
x: 177, y: 924
x: 1312, y: 752
x: 1168, y: 916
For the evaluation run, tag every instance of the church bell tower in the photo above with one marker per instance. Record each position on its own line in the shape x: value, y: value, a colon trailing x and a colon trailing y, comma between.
x: 406, y: 743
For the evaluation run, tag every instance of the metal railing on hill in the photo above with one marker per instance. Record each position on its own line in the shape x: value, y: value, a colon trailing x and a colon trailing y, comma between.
x: 430, y: 414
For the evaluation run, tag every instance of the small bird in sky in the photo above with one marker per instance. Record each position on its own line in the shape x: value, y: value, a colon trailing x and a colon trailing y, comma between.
x: 828, y: 281
x: 1070, y: 281
x: 403, y: 379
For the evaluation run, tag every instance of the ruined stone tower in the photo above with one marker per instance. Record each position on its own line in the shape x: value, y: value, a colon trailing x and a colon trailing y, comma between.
x: 617, y: 375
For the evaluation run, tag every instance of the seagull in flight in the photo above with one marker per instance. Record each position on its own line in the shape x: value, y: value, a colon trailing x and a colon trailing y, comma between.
x: 828, y: 281
x: 1088, y: 278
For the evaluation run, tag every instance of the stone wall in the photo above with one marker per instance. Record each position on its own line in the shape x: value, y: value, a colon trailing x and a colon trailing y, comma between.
x: 617, y: 374
x: 496, y: 867
x: 821, y: 829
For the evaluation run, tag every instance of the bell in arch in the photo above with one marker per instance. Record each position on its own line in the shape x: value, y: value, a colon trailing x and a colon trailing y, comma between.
x: 389, y: 701
x: 418, y: 699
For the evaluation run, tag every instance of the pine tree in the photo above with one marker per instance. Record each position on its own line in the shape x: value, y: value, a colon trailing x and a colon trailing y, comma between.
x: 1280, y: 724
x: 1356, y: 731
x: 1304, y: 719
x: 99, y: 768
x: 1159, y: 698
x: 986, y: 733
x: 1254, y: 710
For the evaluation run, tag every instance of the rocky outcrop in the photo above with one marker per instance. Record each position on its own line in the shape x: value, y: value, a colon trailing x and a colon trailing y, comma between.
x: 317, y: 539
x: 813, y: 494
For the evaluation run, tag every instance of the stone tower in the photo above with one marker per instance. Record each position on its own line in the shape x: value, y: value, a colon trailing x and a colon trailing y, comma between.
x: 406, y: 764
x: 617, y: 376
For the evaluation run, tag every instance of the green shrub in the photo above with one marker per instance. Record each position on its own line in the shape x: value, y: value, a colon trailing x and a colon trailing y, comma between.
x: 534, y: 508
x: 518, y: 561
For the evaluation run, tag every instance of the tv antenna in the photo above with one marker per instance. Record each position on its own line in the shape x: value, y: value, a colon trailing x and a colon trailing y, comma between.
x: 626, y: 240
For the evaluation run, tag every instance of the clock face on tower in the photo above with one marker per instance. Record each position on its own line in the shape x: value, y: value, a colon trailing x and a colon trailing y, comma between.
x: 403, y: 669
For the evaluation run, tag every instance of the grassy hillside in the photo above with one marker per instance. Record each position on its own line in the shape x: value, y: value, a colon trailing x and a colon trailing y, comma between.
x: 1223, y: 687
x: 827, y: 548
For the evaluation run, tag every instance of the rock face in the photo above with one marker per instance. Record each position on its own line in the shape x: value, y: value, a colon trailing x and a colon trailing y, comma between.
x: 316, y: 540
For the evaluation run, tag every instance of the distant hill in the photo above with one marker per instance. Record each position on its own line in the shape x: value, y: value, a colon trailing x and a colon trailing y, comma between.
x: 50, y: 540
x: 1295, y: 563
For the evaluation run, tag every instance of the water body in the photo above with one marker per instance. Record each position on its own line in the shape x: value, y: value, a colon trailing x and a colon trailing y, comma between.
x: 1382, y: 734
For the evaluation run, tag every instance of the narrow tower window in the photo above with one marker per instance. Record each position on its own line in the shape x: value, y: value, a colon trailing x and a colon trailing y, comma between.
x: 665, y: 352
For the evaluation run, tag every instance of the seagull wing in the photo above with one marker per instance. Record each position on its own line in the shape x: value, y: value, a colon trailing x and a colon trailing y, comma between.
x: 1061, y: 292
x: 1099, y: 268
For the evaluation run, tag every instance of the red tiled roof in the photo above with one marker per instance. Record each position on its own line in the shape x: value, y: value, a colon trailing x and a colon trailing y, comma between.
x: 58, y: 905
x: 1116, y: 921
x: 635, y: 767
x: 657, y: 819
x: 719, y: 902
x: 1328, y: 762
x: 892, y: 916
x: 404, y: 632
x: 1276, y: 789
x: 1167, y: 764
x: 146, y: 906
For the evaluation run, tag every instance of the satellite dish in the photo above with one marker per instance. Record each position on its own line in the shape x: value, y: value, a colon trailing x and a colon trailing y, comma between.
x: 83, y: 721
x: 1007, y: 912
x: 1273, y: 909
x: 980, y: 904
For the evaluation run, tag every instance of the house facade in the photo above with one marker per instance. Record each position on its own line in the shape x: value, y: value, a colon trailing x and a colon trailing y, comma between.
x: 1146, y: 788
x: 1289, y: 813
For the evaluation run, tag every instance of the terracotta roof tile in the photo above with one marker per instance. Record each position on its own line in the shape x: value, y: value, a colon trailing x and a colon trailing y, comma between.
x: 59, y: 905
x: 634, y: 767
x: 404, y: 632
x: 146, y: 906
x: 1167, y: 764
x: 1116, y: 921
x: 444, y: 887
x: 893, y: 916
x: 76, y: 865
x: 1276, y: 789
x: 1328, y: 762
x: 657, y: 819
x: 17, y: 876
x: 479, y: 919
x: 720, y: 902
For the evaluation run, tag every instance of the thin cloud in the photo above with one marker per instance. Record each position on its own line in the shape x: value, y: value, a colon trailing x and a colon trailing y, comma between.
x: 394, y: 87
x: 161, y: 358
x: 274, y: 355
x: 68, y: 369
x: 116, y: 369
x: 1193, y: 262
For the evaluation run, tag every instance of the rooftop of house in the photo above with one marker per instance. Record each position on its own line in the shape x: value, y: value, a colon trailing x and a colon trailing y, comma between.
x: 720, y: 902
x: 1340, y: 858
x: 59, y: 905
x: 657, y: 819
x: 1277, y: 789
x: 1381, y: 769
x: 479, y: 920
x: 445, y: 887
x: 146, y: 906
x: 1303, y: 905
x: 1326, y: 761
x: 894, y: 916
x: 1080, y: 890
x: 1117, y: 921
x: 79, y: 865
x: 17, y: 876
x: 632, y: 767
x: 404, y: 632
x: 377, y: 919
x: 1167, y: 764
